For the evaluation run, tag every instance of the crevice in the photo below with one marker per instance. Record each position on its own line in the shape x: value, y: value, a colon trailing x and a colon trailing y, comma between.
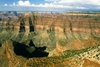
x: 0, y: 45
x: 31, y: 25
x: 22, y: 26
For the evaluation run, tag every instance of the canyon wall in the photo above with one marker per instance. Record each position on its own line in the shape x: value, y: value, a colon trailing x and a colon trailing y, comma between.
x: 50, y: 29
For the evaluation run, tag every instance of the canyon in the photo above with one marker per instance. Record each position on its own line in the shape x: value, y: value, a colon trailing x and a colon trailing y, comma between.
x: 49, y: 39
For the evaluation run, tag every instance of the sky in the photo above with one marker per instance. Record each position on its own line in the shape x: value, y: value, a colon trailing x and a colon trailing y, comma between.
x: 49, y: 5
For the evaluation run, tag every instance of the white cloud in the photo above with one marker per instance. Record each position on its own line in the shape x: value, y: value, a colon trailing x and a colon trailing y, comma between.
x: 51, y: 5
x: 24, y: 3
x: 5, y: 4
x: 79, y: 4
x: 73, y: 4
x: 14, y: 4
x: 51, y: 0
x: 93, y: 2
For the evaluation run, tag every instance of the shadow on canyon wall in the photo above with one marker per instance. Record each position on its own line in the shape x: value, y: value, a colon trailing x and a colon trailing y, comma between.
x: 29, y: 51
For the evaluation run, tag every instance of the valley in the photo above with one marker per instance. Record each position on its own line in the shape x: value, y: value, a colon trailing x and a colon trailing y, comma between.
x: 49, y: 39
